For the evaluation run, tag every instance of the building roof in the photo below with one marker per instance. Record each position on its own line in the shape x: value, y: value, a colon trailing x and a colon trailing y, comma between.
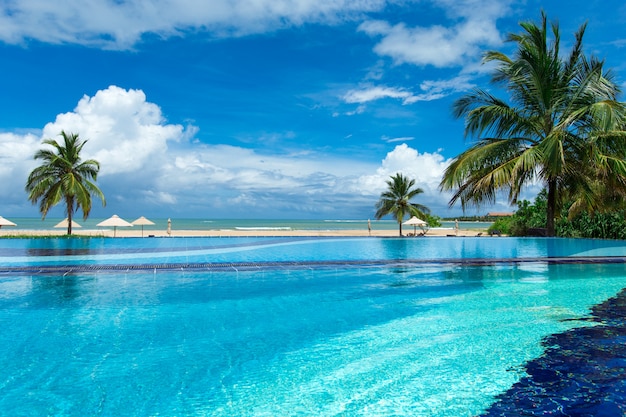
x: 499, y: 214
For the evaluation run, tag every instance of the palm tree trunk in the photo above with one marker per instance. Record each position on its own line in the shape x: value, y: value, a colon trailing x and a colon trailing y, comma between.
x: 551, y: 208
x: 70, y: 209
x: 400, y: 226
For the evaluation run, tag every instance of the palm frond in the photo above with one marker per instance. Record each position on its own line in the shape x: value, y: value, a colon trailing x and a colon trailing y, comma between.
x: 62, y: 176
x: 561, y: 126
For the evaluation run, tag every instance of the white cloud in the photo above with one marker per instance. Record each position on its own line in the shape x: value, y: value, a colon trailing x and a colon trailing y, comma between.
x: 16, y: 162
x: 124, y: 132
x: 151, y: 167
x: 402, y: 139
x: 434, y: 89
x: 148, y: 165
x: 431, y: 90
x: 120, y: 24
x: 123, y: 129
x: 473, y: 27
x: 376, y: 93
x: 426, y: 168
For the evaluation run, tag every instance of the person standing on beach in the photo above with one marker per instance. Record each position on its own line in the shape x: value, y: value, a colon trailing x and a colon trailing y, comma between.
x: 369, y: 227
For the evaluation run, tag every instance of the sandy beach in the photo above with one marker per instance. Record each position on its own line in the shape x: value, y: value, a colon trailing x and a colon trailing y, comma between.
x: 136, y: 232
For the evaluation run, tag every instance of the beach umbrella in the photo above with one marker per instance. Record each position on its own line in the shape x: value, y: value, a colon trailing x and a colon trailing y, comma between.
x: 114, y: 221
x: 63, y: 223
x: 5, y: 222
x: 415, y: 222
x: 142, y: 221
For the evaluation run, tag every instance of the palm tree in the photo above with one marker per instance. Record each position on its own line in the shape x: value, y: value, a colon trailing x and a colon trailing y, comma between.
x: 563, y: 128
x: 63, y: 176
x: 397, y: 200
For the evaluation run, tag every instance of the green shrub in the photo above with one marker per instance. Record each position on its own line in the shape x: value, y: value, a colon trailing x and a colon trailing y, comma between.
x: 609, y: 225
x: 433, y: 221
x: 502, y: 224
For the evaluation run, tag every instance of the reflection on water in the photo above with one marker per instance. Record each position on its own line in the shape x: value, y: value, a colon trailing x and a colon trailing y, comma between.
x: 281, y: 341
x: 60, y: 290
x: 103, y: 251
x: 63, y: 246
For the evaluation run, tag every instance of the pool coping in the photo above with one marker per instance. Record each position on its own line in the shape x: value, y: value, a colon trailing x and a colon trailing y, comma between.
x: 252, y: 266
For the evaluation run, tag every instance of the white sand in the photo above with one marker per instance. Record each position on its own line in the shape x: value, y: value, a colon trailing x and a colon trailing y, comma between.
x: 132, y: 232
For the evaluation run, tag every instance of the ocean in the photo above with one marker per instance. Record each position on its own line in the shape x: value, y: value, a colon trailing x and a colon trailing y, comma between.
x: 34, y: 223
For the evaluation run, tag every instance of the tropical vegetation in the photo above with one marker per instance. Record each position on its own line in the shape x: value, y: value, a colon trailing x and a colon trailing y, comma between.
x: 432, y: 220
x: 63, y: 176
x: 397, y: 200
x: 530, y: 219
x: 563, y: 128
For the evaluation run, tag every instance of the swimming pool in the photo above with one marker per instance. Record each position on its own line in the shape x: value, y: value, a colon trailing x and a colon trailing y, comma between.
x: 286, y: 327
x: 153, y: 253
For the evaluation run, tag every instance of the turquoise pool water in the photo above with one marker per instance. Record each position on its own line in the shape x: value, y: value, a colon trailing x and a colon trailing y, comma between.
x: 431, y: 339
x: 137, y: 251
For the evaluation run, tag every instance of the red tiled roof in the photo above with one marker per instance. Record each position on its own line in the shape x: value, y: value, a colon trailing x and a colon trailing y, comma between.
x: 499, y: 214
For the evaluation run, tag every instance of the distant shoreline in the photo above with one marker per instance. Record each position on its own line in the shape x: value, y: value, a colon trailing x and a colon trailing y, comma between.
x: 31, y: 226
x: 136, y: 232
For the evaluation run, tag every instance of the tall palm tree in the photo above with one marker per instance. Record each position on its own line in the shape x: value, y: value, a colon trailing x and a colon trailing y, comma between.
x: 397, y: 200
x: 564, y: 127
x: 63, y: 176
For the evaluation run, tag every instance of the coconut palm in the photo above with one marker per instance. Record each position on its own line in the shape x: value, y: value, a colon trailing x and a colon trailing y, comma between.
x: 563, y: 128
x: 64, y: 177
x: 397, y: 200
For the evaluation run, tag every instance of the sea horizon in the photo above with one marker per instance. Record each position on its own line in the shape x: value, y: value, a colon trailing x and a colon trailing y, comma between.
x: 36, y: 223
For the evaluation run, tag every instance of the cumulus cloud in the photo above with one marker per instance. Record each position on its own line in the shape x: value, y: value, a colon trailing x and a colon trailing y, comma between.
x: 120, y: 24
x: 426, y: 168
x: 149, y: 166
x: 16, y: 161
x: 124, y: 131
x: 473, y: 27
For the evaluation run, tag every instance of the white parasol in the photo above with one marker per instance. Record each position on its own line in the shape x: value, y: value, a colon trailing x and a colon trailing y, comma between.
x: 415, y: 222
x: 142, y: 221
x: 5, y: 222
x: 63, y: 224
x: 115, y: 221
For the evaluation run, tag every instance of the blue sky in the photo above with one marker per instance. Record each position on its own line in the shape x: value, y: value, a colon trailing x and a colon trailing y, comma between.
x: 258, y: 108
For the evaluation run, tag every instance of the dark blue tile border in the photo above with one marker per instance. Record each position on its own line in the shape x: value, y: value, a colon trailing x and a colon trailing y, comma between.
x: 581, y: 373
x: 243, y: 266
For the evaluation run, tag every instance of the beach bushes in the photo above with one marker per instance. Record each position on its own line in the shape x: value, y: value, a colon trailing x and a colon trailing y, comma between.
x: 432, y: 220
x: 601, y: 225
x: 530, y: 219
